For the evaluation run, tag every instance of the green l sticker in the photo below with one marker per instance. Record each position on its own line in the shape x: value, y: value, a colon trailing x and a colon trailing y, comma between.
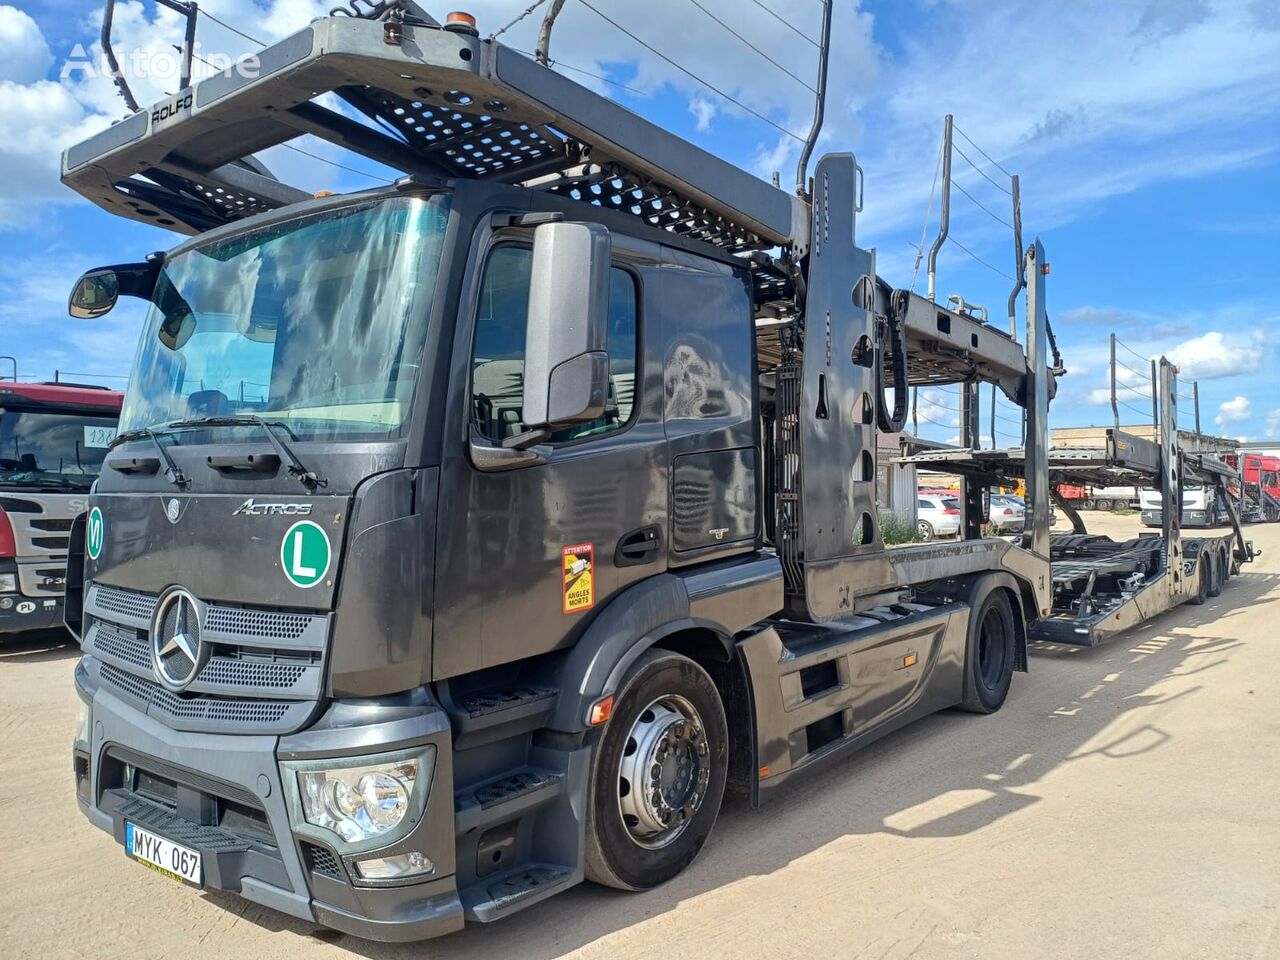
x: 305, y: 553
x: 95, y: 533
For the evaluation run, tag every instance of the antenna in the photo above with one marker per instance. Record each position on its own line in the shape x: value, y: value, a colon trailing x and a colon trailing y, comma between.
x: 819, y: 103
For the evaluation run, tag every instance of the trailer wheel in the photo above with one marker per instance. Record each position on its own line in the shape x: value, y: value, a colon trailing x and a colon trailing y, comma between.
x: 1216, y: 576
x: 657, y: 775
x: 1203, y: 576
x: 925, y: 529
x: 1089, y: 504
x: 992, y: 638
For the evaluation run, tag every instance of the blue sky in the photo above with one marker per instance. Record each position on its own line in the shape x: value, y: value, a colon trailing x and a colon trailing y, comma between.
x: 1146, y: 136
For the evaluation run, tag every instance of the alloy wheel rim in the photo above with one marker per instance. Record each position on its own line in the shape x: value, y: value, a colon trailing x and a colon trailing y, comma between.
x: 664, y: 772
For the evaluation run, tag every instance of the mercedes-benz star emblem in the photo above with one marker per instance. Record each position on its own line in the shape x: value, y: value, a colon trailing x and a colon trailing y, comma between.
x: 177, y: 651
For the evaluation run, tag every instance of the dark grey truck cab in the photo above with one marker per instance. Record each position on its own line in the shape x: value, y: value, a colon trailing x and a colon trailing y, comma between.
x: 465, y: 538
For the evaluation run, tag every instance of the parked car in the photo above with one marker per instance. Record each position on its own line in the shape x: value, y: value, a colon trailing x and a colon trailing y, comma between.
x: 937, y: 516
x: 1007, y: 513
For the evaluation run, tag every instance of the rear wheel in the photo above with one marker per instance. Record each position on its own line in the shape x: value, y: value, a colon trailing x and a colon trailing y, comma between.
x: 1216, y: 576
x: 925, y: 529
x: 1089, y: 504
x: 658, y: 774
x: 992, y: 639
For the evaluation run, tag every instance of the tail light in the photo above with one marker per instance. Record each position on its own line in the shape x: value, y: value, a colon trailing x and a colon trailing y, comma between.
x: 951, y: 512
x: 1008, y: 511
x: 8, y: 544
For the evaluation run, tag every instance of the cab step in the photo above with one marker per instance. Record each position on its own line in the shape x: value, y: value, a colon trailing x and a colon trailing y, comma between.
x: 490, y: 716
x: 495, y: 897
x: 506, y: 798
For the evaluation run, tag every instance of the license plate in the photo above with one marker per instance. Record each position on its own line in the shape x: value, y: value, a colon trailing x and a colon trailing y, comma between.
x: 165, y: 856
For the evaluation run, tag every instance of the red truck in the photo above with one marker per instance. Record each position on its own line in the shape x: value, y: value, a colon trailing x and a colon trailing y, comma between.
x: 1261, y: 475
x: 53, y: 437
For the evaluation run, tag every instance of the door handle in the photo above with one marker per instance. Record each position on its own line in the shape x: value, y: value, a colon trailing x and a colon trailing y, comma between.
x: 638, y: 546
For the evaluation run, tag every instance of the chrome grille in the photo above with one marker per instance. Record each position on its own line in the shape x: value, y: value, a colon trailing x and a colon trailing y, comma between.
x: 194, y: 712
x: 264, y: 673
x: 260, y: 623
x: 137, y: 606
x: 41, y: 529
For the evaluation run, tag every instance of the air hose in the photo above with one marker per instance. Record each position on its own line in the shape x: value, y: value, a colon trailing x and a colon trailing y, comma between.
x: 890, y: 328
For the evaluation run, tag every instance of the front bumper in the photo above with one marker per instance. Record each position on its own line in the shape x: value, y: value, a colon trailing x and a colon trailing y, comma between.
x: 30, y: 613
x: 222, y: 795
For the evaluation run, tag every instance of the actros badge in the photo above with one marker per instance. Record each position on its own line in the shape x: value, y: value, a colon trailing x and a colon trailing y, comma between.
x: 252, y: 508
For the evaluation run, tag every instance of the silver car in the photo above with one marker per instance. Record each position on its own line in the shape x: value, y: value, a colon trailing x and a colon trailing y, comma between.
x: 1007, y: 514
x: 937, y: 516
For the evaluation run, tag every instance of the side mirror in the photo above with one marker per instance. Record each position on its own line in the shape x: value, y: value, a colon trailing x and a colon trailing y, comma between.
x: 566, y: 364
x: 94, y: 295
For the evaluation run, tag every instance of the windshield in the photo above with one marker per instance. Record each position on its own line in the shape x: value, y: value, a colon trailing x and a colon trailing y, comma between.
x: 53, y: 451
x: 318, y: 322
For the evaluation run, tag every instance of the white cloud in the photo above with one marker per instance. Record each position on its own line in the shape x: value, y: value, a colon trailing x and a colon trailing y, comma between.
x: 1237, y: 410
x: 704, y: 111
x: 25, y: 57
x: 1213, y: 355
x: 1273, y: 423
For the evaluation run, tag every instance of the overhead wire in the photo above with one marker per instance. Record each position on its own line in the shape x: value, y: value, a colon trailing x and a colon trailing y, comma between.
x: 804, y: 83
x: 689, y: 73
x: 787, y: 23
x: 511, y: 23
x: 981, y: 206
x: 996, y: 270
x: 982, y: 173
x: 1133, y: 351
x: 981, y: 151
x: 928, y: 215
x: 226, y: 26
x: 308, y: 153
x: 587, y: 73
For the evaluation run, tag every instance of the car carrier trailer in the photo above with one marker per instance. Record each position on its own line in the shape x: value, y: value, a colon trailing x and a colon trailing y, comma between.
x: 536, y: 506
x: 1100, y: 587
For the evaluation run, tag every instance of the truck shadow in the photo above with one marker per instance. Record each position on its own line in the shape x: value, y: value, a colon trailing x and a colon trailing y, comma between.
x: 38, y: 646
x: 944, y: 776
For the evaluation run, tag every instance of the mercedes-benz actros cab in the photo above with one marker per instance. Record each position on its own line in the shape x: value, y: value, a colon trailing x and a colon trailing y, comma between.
x: 471, y: 536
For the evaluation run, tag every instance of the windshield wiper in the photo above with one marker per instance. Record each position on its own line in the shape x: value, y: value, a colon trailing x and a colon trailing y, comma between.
x: 308, y: 478
x: 171, y: 471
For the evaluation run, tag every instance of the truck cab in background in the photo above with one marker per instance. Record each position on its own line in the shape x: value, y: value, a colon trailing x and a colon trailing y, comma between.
x: 53, y: 437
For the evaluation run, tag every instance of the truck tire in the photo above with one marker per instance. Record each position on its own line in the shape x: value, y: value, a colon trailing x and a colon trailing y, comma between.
x: 1088, y: 504
x: 657, y: 774
x: 1104, y: 504
x: 1216, y: 576
x: 989, y: 661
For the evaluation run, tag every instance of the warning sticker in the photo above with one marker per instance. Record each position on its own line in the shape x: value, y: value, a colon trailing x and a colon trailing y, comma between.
x: 578, y: 572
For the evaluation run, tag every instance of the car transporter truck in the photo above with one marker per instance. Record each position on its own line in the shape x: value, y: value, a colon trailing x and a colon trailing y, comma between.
x: 471, y: 536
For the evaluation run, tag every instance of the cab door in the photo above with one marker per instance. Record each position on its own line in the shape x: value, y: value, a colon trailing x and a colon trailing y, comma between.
x: 527, y: 556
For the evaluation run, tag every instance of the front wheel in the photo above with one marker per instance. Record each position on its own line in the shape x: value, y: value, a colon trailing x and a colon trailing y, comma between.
x: 658, y: 774
x: 991, y: 647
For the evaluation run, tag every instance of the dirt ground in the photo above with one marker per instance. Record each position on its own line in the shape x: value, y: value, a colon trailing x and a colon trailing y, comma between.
x: 1122, y: 804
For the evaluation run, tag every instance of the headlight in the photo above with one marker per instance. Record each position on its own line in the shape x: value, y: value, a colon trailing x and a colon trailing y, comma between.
x: 8, y: 583
x: 82, y: 725
x: 365, y: 801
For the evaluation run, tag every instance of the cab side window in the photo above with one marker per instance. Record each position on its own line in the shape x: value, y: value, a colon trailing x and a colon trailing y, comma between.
x: 497, y: 361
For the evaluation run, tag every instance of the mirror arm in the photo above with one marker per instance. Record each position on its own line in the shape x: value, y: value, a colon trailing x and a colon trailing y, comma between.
x: 527, y: 439
x: 491, y: 458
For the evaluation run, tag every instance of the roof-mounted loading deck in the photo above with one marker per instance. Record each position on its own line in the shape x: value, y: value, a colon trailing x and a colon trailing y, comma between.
x: 439, y: 104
